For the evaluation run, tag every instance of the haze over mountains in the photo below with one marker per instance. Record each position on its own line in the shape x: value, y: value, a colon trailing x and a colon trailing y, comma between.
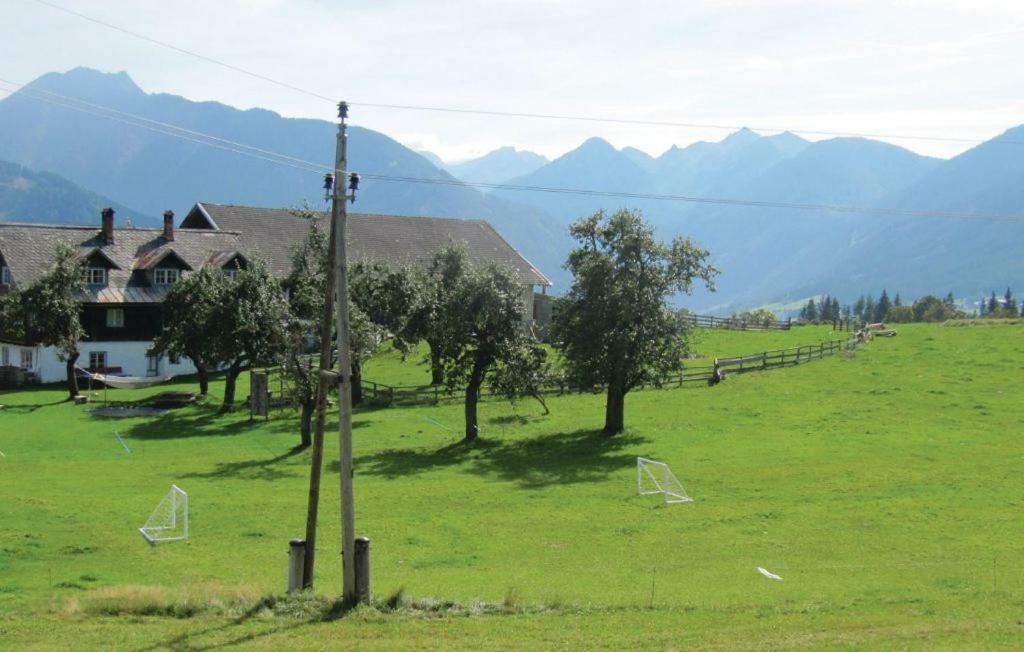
x: 766, y: 254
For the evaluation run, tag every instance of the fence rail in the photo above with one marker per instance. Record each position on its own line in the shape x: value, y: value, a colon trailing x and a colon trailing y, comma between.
x: 708, y: 373
x: 737, y: 323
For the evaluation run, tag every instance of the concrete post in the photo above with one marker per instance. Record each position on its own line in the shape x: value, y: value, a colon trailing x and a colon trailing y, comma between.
x: 362, y: 568
x: 296, y: 563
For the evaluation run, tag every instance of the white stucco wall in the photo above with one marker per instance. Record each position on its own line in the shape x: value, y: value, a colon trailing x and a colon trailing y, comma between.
x: 130, y: 356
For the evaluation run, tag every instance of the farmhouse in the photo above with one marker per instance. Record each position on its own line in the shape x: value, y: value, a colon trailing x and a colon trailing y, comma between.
x: 129, y: 271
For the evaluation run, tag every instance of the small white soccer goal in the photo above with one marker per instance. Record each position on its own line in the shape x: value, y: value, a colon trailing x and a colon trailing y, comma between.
x: 656, y: 478
x: 169, y: 521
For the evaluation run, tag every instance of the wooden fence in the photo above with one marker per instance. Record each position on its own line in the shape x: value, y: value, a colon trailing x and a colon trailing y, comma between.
x: 737, y: 323
x: 711, y: 374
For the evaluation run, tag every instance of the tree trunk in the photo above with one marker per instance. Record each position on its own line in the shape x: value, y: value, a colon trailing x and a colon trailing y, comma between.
x: 614, y: 409
x: 306, y: 421
x: 229, y: 387
x: 476, y: 380
x: 357, y: 382
x: 204, y: 379
x: 72, y: 376
x: 436, y: 369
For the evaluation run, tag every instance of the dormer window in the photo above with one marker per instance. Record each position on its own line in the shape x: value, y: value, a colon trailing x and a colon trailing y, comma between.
x: 94, y: 276
x: 5, y: 275
x: 166, y: 276
x: 230, y: 272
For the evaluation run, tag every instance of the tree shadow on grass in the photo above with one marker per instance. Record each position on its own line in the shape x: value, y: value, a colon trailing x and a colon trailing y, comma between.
x: 197, y: 421
x: 261, y: 469
x: 534, y: 463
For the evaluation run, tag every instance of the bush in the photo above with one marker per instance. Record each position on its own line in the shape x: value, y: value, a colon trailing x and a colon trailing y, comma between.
x: 900, y: 314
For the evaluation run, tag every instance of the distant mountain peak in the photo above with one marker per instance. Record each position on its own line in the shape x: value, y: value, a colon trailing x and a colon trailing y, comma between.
x: 88, y: 82
x: 741, y: 136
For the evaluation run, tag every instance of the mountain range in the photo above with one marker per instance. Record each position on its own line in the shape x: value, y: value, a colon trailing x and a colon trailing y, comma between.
x: 767, y: 254
x: 47, y: 198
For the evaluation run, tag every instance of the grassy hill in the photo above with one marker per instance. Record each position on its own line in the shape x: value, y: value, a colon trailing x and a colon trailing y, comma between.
x: 884, y: 488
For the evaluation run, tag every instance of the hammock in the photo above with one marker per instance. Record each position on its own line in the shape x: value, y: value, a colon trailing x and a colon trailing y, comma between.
x: 127, y: 382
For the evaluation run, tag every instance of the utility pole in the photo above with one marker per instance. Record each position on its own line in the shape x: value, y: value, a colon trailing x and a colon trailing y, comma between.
x: 339, y: 217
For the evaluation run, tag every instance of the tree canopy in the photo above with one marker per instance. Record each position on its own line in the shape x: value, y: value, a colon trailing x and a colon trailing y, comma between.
x: 190, y: 328
x: 49, y: 310
x: 476, y: 326
x: 615, y: 327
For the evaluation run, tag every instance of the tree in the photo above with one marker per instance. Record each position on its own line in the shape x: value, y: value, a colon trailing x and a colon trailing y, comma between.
x: 383, y: 301
x: 434, y: 285
x: 993, y: 305
x: 49, y: 311
x: 251, y: 321
x: 614, y: 326
x: 858, y: 308
x: 950, y: 301
x: 900, y: 314
x: 190, y: 328
x: 478, y: 326
x: 897, y: 302
x: 1009, y: 304
x: 809, y: 313
x: 882, y: 308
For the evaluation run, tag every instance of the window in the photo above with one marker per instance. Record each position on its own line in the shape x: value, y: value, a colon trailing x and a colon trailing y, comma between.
x: 115, y: 318
x: 97, y: 359
x: 5, y: 356
x: 166, y: 276
x: 5, y: 276
x: 28, y: 359
x: 152, y: 365
x: 94, y: 276
x: 230, y: 272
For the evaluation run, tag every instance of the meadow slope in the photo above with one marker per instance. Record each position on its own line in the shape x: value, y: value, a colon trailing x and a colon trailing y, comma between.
x: 885, y: 488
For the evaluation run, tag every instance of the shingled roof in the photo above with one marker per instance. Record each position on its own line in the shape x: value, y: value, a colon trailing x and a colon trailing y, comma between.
x: 28, y: 250
x: 274, y: 233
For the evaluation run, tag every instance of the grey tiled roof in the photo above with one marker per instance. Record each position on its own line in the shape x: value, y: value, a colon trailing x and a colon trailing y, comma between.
x: 274, y: 233
x: 28, y: 250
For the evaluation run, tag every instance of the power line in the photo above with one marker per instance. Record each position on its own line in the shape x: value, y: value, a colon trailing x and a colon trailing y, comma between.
x: 269, y: 156
x: 520, y: 114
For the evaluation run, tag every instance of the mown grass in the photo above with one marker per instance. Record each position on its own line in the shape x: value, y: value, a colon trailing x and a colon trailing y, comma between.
x: 884, y: 488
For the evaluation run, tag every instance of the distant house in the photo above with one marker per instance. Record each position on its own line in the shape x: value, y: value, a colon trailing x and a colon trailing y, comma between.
x: 129, y: 271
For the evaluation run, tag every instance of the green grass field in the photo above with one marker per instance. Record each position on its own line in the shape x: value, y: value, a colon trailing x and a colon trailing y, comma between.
x: 885, y: 488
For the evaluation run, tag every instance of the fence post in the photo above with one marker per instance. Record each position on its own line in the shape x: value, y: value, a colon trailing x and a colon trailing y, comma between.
x: 362, y: 568
x: 296, y: 560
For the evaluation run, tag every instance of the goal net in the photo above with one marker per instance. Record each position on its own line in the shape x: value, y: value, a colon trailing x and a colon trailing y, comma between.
x: 656, y: 478
x: 169, y: 521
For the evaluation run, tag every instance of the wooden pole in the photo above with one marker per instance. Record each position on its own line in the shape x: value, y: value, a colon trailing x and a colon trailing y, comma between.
x: 339, y: 217
x: 316, y: 463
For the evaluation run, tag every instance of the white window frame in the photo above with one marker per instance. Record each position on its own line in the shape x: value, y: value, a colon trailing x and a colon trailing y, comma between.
x: 5, y: 276
x: 230, y: 273
x: 115, y: 317
x: 152, y: 365
x: 5, y: 356
x: 28, y: 359
x: 166, y: 275
x: 91, y: 274
x: 92, y: 359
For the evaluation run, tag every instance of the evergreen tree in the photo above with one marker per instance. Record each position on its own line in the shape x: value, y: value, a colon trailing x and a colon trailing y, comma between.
x: 950, y: 301
x: 993, y: 304
x: 882, y: 309
x: 982, y: 307
x: 858, y: 308
x: 1009, y: 304
x: 897, y: 302
x: 869, y: 309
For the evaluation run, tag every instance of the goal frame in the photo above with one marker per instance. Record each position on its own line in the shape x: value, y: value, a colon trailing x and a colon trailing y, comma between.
x: 152, y: 533
x: 663, y: 479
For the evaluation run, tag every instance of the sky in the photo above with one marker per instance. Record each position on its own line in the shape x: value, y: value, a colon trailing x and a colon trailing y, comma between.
x: 947, y: 69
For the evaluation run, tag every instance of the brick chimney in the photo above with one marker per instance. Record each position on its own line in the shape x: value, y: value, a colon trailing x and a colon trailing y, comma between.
x: 169, y: 226
x: 107, y: 217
